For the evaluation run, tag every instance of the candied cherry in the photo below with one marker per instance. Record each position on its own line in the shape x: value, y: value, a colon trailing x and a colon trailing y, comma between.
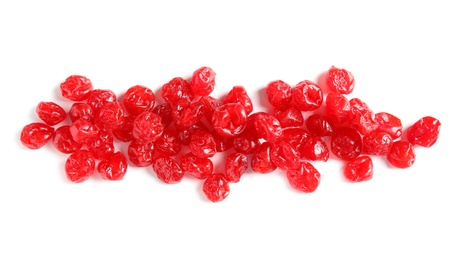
x: 36, y: 135
x: 209, y: 105
x: 199, y: 168
x: 124, y: 132
x: 296, y: 137
x: 266, y: 126
x: 247, y: 142
x: 164, y: 111
x: 307, y: 96
x: 235, y: 165
x: 167, y: 169
x: 337, y: 108
x: 346, y: 143
x: 185, y: 134
x: 51, y: 113
x: 424, y: 132
x: 176, y: 89
x: 79, y: 166
x: 82, y: 131
x: 401, y: 154
x: 140, y: 154
x: 76, y: 88
x: 359, y: 169
x: 102, y: 145
x: 261, y: 159
x: 168, y: 143
x: 239, y: 95
x: 229, y: 120
x: 222, y: 143
x: 216, y: 187
x: 147, y: 127
x: 138, y: 99
x: 114, y: 167
x: 389, y: 123
x: 203, y: 81
x: 362, y: 117
x: 290, y: 117
x: 319, y: 125
x: 340, y: 80
x: 63, y: 141
x: 202, y: 144
x: 279, y: 94
x: 284, y: 156
x: 315, y: 149
x: 377, y: 143
x: 99, y: 97
x: 185, y: 114
x: 81, y: 110
x: 110, y: 116
x: 305, y: 178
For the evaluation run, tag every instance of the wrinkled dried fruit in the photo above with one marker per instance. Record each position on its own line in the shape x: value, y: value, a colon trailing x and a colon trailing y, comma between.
x: 216, y: 187
x: 261, y: 159
x: 82, y: 131
x: 110, y: 116
x: 284, y: 156
x: 229, y: 120
x: 359, y: 169
x: 63, y: 141
x: 279, y: 94
x: 340, y: 80
x: 377, y: 143
x: 401, y: 154
x: 389, y: 123
x: 235, y: 165
x: 81, y: 110
x: 76, y: 88
x: 176, y: 89
x: 167, y: 170
x: 102, y: 145
x: 315, y: 149
x: 140, y: 154
x: 50, y: 113
x: 36, y: 135
x: 99, y: 97
x: 337, y: 108
x: 185, y: 114
x: 307, y: 96
x: 239, y: 95
x: 319, y: 125
x: 113, y: 168
x: 147, y: 127
x: 199, y: 168
x: 290, y: 117
x: 203, y: 81
x: 168, y: 143
x: 202, y: 144
x: 266, y: 126
x: 305, y: 178
x: 346, y: 143
x: 80, y: 166
x: 138, y: 99
x: 424, y: 132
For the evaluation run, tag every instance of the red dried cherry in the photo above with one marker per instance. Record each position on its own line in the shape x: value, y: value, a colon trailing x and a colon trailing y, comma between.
x: 81, y: 110
x: 202, y: 144
x: 319, y: 125
x: 239, y: 95
x: 113, y: 168
x: 290, y: 117
x: 185, y: 114
x: 340, y: 80
x: 377, y: 143
x: 138, y: 99
x: 176, y: 89
x: 305, y: 178
x: 147, y: 127
x: 99, y: 97
x: 401, y: 154
x: 168, y: 143
x: 346, y: 143
x: 229, y: 120
x: 110, y: 116
x: 389, y: 123
x: 235, y: 165
x: 36, y: 135
x: 63, y: 141
x: 50, y: 113
x: 164, y: 111
x: 199, y: 168
x: 359, y: 169
x: 315, y: 149
x: 261, y: 159
x: 140, y: 154
x: 337, y: 108
x: 307, y: 96
x: 362, y: 117
x: 167, y: 170
x: 266, y: 126
x: 76, y: 88
x: 203, y: 81
x: 124, y: 132
x: 82, y: 131
x: 424, y: 132
x: 279, y: 94
x: 79, y: 166
x: 284, y: 156
x: 102, y: 145
x: 216, y: 187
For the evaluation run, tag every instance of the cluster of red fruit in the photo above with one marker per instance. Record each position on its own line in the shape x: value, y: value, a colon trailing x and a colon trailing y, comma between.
x: 191, y: 120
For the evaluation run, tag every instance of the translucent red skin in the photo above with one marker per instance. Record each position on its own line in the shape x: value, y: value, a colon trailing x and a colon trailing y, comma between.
x: 337, y: 108
x: 63, y: 141
x: 305, y: 178
x: 176, y: 89
x: 377, y: 143
x: 235, y: 165
x: 140, y: 154
x: 266, y: 126
x: 359, y: 169
x: 319, y: 125
x: 279, y: 94
x: 76, y: 88
x: 113, y: 168
x: 199, y: 168
x: 203, y: 81
x: 79, y: 166
x: 51, y: 113
x: 390, y: 124
x: 289, y: 117
x: 340, y: 80
x: 307, y: 96
x: 239, y: 95
x: 164, y: 111
x: 167, y: 170
x: 284, y: 156
x: 315, y: 149
x: 346, y: 143
x: 424, y: 132
x: 202, y: 144
x: 81, y: 110
x: 111, y: 116
x: 36, y: 135
x: 216, y: 187
x: 168, y: 143
x: 186, y: 114
x: 99, y: 97
x: 82, y: 131
x: 124, y: 132
x: 402, y: 154
x: 102, y: 145
x: 229, y: 120
x: 138, y: 99
x: 147, y: 127
x: 261, y: 159
x: 361, y: 117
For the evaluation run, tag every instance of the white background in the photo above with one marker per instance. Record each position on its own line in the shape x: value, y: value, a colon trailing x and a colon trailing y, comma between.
x: 402, y: 54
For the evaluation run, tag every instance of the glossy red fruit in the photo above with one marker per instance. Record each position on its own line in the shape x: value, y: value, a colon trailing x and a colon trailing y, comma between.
x: 176, y: 89
x: 305, y: 178
x: 235, y: 165
x: 81, y: 110
x: 296, y: 137
x: 247, y: 142
x: 424, y: 132
x: 203, y: 81
x: 307, y: 96
x: 239, y: 95
x: 63, y: 141
x: 51, y: 113
x: 289, y: 117
x: 124, y: 132
x: 99, y: 97
x: 138, y: 99
x: 216, y: 187
x: 285, y: 156
x: 359, y: 169
x: 167, y: 170
x: 266, y: 126
x: 114, y: 167
x: 401, y: 154
x: 140, y: 154
x: 377, y: 143
x: 164, y: 111
x: 147, y: 127
x: 315, y: 149
x: 199, y: 168
x: 168, y: 143
x: 185, y: 114
x: 79, y: 166
x: 346, y: 143
x: 340, y: 80
x: 185, y: 134
x: 222, y: 143
x: 361, y: 117
x: 319, y: 125
x: 36, y: 135
x: 202, y: 144
x: 110, y: 116
x: 76, y: 88
x: 102, y: 145
x: 261, y: 159
x: 209, y: 105
x: 229, y: 120
x: 390, y: 124
x: 82, y: 131
x: 279, y: 94
x: 337, y: 108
